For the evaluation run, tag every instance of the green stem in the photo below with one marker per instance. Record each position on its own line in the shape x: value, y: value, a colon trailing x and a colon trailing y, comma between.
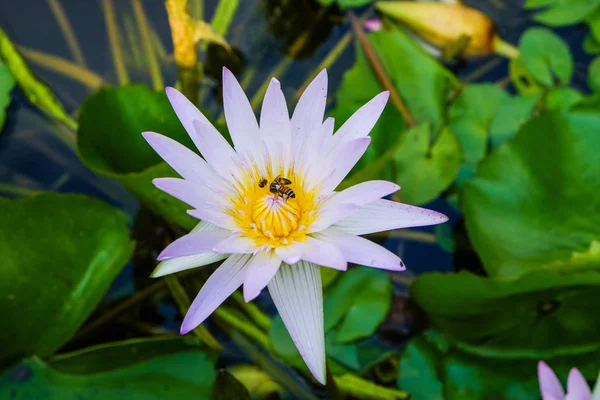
x: 261, y: 319
x: 115, y: 41
x: 226, y: 315
x: 505, y: 49
x: 223, y: 16
x: 183, y: 303
x: 37, y: 92
x: 142, y: 22
x: 363, y: 389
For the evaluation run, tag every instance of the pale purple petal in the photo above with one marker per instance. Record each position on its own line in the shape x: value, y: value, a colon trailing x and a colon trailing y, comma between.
x: 214, y: 216
x: 216, y: 151
x: 596, y: 395
x: 362, y: 121
x: 259, y: 272
x: 577, y: 387
x: 344, y: 203
x: 359, y: 250
x: 384, y: 215
x: 183, y: 160
x: 312, y: 161
x: 323, y: 253
x: 298, y: 295
x: 192, y: 193
x: 194, y: 243
x: 221, y: 284
x: 373, y: 25
x: 235, y: 244
x: 240, y: 118
x: 549, y: 383
x: 290, y: 254
x: 309, y: 112
x: 275, y: 126
x: 346, y: 156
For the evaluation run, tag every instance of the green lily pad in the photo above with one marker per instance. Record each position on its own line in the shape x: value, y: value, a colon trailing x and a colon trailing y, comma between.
x: 545, y: 56
x: 564, y: 12
x: 547, y: 312
x: 59, y: 255
x: 432, y: 368
x: 109, y: 142
x: 470, y: 118
x: 511, y: 116
x: 227, y: 387
x: 562, y: 98
x: 184, y: 374
x: 594, y: 75
x: 7, y: 82
x: 343, y: 4
x: 534, y: 200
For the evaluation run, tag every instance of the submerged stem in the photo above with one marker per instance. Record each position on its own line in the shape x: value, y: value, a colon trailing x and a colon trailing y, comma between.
x: 67, y: 30
x: 115, y: 41
x: 143, y: 24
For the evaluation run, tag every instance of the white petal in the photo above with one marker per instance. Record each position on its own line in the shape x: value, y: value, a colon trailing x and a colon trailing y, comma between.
x: 221, y: 284
x: 214, y: 216
x: 596, y: 395
x: 344, y: 203
x: 275, y: 126
x: 309, y: 112
x: 311, y: 160
x: 183, y: 160
x: 298, y: 295
x: 361, y: 251
x: 290, y: 254
x: 259, y: 272
x: 194, y: 243
x: 323, y: 253
x: 577, y: 387
x: 549, y: 383
x: 346, y: 156
x: 192, y: 193
x: 384, y: 215
x: 216, y: 151
x: 235, y: 244
x: 362, y: 121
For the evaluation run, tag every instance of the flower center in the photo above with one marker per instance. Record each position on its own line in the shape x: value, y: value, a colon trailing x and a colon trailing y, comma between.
x: 274, y: 216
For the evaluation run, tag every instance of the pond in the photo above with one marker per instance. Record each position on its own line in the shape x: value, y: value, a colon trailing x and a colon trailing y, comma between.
x: 503, y: 143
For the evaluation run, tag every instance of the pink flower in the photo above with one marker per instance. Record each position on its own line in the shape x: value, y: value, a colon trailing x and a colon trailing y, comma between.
x: 268, y: 205
x: 551, y: 388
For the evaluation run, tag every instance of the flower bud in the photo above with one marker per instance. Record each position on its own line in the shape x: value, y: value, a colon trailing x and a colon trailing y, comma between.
x: 444, y: 25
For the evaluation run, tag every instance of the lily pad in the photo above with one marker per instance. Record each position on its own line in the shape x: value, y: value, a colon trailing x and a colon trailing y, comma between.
x: 470, y: 119
x: 432, y: 368
x: 59, y: 255
x: 562, y: 98
x: 7, y: 83
x: 511, y: 115
x: 563, y: 12
x: 594, y: 75
x: 534, y: 200
x: 227, y: 387
x: 109, y: 142
x: 548, y: 311
x: 546, y: 56
x: 178, y: 375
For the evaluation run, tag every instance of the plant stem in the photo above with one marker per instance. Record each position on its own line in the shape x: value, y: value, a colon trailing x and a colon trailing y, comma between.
x: 223, y: 16
x: 363, y: 389
x: 182, y: 32
x: 505, y: 49
x: 226, y: 315
x: 253, y: 311
x: 142, y: 23
x: 37, y: 92
x: 379, y: 71
x: 67, y: 30
x: 115, y: 41
x: 183, y: 303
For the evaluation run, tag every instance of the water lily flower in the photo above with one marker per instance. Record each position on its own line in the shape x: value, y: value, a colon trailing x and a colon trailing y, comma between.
x: 268, y: 205
x: 577, y: 387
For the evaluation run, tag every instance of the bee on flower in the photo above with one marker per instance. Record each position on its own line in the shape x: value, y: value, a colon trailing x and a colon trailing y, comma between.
x: 269, y: 208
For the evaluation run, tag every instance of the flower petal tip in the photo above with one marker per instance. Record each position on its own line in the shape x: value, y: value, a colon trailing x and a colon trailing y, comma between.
x: 184, y: 328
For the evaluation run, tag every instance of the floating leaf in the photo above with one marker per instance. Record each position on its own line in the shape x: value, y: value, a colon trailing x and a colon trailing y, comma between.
x: 511, y: 115
x: 594, y: 75
x: 470, y: 118
x: 7, y: 83
x: 431, y: 369
x: 545, y: 55
x: 562, y: 98
x: 566, y: 12
x: 534, y: 201
x: 546, y: 311
x: 109, y: 141
x: 227, y: 387
x: 590, y: 44
x: 180, y: 375
x: 259, y: 383
x: 59, y: 255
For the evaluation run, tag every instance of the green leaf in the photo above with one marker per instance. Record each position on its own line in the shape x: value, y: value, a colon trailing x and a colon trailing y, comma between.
x: 470, y: 118
x: 562, y: 98
x: 424, y: 170
x: 567, y: 12
x: 534, y: 200
x: 227, y: 387
x: 59, y: 255
x: 511, y: 116
x: 109, y: 142
x: 344, y: 4
x: 258, y: 382
x: 547, y: 312
x: 591, y: 45
x: 546, y: 55
x: 181, y: 375
x: 594, y: 75
x: 7, y: 83
x: 429, y: 371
